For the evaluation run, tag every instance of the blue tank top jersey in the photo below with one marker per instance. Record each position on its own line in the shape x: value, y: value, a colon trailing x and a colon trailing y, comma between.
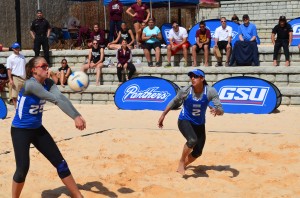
x: 194, y: 109
x: 29, y: 111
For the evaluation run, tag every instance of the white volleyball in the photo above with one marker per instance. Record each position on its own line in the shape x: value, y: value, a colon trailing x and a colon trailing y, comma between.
x: 78, y: 81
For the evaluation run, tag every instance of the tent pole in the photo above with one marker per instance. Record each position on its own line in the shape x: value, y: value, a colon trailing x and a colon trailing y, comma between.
x: 169, y: 11
x: 150, y: 8
x: 104, y: 12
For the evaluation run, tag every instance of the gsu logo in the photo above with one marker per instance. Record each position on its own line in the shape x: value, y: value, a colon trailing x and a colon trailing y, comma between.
x: 243, y: 95
x: 167, y: 33
x: 296, y: 31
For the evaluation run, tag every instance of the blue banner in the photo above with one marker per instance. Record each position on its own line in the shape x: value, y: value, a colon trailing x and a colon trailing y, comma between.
x: 3, y: 109
x: 295, y: 23
x: 165, y: 29
x: 212, y: 26
x: 145, y: 92
x: 248, y: 95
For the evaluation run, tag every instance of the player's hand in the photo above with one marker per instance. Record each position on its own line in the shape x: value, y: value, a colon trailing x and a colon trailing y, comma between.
x: 161, y: 121
x: 80, y: 123
x: 213, y: 110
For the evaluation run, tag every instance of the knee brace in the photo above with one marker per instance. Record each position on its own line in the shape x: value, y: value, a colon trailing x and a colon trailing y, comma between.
x: 63, y: 169
x: 191, y: 142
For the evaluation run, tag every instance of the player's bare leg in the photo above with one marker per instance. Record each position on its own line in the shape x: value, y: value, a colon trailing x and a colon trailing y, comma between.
x: 181, y: 166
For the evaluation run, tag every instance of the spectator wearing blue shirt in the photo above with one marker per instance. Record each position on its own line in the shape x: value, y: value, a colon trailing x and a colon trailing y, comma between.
x: 247, y: 31
x: 152, y: 36
x: 245, y: 51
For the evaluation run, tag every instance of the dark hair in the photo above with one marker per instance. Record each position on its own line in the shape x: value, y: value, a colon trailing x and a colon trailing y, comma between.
x: 235, y: 17
x: 202, y: 23
x: 151, y: 19
x: 31, y: 64
x: 65, y: 61
x: 37, y: 11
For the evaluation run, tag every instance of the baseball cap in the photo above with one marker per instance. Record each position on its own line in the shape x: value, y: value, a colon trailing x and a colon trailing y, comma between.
x: 197, y: 72
x: 245, y: 16
x: 282, y: 18
x: 15, y: 45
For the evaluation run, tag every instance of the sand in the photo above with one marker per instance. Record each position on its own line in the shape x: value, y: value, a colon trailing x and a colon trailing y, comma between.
x: 124, y: 154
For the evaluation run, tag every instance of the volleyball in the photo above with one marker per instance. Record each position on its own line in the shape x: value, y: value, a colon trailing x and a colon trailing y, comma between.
x: 78, y: 81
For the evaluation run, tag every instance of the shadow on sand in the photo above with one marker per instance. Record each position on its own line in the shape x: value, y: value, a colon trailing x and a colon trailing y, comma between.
x: 95, y: 187
x: 201, y: 171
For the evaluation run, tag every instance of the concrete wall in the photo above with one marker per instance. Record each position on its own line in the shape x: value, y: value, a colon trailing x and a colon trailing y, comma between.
x: 286, y: 78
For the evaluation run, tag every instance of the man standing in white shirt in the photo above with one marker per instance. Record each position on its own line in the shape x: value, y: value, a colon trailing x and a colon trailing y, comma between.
x: 16, y: 71
x: 178, y: 41
x: 223, y: 37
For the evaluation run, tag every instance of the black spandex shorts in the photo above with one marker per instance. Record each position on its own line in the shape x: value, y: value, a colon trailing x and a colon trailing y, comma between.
x: 150, y: 46
x: 42, y: 140
x: 222, y: 45
x: 195, y: 136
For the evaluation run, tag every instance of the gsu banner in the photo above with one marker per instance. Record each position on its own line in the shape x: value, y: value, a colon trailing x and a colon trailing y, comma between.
x: 248, y: 95
x: 295, y: 23
x: 145, y: 92
x: 165, y: 29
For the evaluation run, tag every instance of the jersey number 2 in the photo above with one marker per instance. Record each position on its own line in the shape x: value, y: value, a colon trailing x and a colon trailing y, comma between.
x: 196, y: 112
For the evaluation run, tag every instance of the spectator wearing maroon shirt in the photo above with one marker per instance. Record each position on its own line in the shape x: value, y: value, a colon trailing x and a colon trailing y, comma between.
x: 203, y: 38
x: 99, y: 35
x: 124, y: 57
x: 140, y: 9
x: 115, y: 11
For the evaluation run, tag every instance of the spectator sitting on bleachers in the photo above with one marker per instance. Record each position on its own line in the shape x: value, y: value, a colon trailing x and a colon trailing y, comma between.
x: 152, y: 36
x: 83, y: 35
x: 124, y: 33
x: 140, y: 9
x: 284, y: 38
x: 124, y: 56
x: 178, y: 41
x: 203, y: 38
x: 235, y: 19
x: 3, y: 78
x: 61, y: 76
x: 139, y: 41
x: 115, y: 8
x: 95, y: 60
x: 245, y: 51
x: 98, y: 35
x: 223, y: 35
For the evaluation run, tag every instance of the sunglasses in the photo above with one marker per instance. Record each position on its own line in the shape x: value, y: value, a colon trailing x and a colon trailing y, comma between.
x: 202, y: 26
x: 43, y: 66
x: 223, y: 21
x: 194, y: 76
x: 95, y: 43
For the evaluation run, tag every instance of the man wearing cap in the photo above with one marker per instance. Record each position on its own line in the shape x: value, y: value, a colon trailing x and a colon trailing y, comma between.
x: 284, y: 33
x: 223, y: 35
x: 178, y: 41
x: 245, y: 51
x: 40, y: 31
x: 191, y: 121
x: 16, y: 71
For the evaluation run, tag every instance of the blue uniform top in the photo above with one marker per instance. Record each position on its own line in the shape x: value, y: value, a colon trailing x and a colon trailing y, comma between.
x: 247, y: 31
x: 31, y: 100
x: 195, y: 105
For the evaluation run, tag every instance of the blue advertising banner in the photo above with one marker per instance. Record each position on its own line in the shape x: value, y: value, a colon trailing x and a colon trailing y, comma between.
x: 165, y: 28
x: 295, y: 23
x: 3, y: 109
x: 248, y: 95
x: 145, y: 92
x: 212, y: 25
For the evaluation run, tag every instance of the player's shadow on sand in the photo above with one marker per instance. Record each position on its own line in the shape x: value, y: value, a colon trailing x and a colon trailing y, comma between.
x: 95, y: 187
x: 201, y: 171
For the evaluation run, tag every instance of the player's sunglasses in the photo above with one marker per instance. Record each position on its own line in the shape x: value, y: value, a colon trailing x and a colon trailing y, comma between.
x: 223, y: 21
x: 43, y: 66
x: 194, y: 76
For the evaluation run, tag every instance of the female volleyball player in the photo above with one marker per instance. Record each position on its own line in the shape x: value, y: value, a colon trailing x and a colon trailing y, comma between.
x: 27, y: 125
x: 191, y: 121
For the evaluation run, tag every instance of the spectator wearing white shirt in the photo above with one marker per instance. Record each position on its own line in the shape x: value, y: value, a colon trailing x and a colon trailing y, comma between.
x: 178, y: 41
x: 223, y: 37
x: 16, y: 71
